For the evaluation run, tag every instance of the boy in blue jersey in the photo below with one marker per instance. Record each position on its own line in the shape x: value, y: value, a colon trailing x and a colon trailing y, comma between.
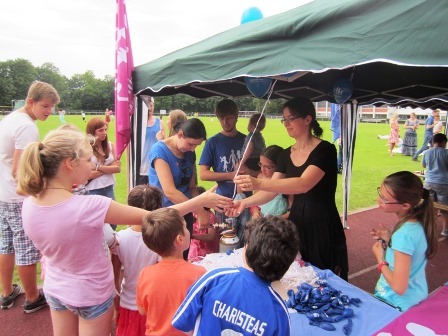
x: 241, y: 300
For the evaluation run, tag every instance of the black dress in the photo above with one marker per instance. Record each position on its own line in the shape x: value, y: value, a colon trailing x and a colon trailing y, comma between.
x: 322, y: 237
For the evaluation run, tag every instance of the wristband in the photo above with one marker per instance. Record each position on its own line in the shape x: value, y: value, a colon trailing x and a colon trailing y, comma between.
x: 380, y: 265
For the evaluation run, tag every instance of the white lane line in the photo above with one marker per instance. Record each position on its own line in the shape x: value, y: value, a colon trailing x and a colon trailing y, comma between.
x: 361, y: 272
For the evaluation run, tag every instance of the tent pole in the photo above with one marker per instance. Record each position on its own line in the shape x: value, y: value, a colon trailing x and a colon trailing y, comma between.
x: 349, y: 123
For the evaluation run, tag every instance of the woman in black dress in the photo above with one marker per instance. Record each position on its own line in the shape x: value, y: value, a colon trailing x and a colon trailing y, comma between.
x: 308, y: 170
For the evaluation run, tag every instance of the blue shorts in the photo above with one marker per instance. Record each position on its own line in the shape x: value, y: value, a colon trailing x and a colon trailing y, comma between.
x: 13, y: 238
x: 87, y: 313
x: 438, y: 192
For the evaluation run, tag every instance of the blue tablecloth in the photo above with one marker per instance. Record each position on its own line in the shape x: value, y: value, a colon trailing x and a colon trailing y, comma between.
x: 369, y: 317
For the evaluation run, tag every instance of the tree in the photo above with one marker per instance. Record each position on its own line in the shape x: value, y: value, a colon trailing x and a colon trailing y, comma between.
x: 49, y: 73
x: 7, y: 88
x: 88, y: 93
x: 17, y: 74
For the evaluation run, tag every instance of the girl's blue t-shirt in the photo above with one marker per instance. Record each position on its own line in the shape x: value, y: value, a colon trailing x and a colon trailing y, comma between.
x: 181, y: 169
x: 409, y: 239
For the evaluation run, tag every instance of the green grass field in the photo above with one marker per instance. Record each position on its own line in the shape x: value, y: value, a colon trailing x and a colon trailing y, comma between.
x: 371, y: 161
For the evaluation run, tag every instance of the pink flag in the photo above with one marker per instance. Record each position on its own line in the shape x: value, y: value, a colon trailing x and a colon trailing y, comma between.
x: 124, y: 65
x: 429, y: 317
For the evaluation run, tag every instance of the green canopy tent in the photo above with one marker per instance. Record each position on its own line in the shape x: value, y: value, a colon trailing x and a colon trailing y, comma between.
x: 392, y: 51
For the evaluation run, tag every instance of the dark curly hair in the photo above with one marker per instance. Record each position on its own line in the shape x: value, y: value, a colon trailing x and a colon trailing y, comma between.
x: 272, y: 244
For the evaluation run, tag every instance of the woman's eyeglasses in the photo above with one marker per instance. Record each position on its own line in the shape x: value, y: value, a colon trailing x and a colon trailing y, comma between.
x: 383, y: 200
x: 288, y: 120
x: 265, y: 167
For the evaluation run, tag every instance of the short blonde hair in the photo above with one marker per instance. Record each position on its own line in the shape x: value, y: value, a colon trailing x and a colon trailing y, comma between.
x: 40, y: 90
x: 41, y: 161
x: 177, y: 118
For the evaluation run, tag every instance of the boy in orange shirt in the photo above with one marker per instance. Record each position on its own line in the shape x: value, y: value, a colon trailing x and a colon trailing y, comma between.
x: 162, y: 287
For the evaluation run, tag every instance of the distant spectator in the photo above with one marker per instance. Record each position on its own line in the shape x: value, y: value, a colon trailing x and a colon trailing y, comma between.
x: 435, y: 160
x: 394, y: 135
x: 61, y: 113
x: 438, y: 125
x: 429, y: 125
x: 107, y: 114
x: 410, y: 135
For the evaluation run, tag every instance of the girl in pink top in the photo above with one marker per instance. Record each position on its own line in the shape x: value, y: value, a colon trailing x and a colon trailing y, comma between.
x: 394, y: 134
x: 203, y: 240
x: 68, y: 230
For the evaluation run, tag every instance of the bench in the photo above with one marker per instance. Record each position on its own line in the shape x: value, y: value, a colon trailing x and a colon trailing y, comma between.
x: 373, y: 120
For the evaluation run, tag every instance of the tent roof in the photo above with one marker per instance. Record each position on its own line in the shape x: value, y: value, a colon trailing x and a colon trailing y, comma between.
x: 392, y: 50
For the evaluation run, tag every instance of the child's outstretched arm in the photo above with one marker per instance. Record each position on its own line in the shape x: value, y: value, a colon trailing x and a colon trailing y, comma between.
x: 208, y: 199
x: 124, y: 214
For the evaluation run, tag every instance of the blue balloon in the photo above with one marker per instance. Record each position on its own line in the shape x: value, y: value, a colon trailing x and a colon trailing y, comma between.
x: 251, y: 14
x: 342, y: 90
x: 259, y: 87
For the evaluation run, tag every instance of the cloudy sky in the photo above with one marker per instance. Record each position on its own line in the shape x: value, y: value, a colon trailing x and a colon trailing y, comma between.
x: 79, y: 35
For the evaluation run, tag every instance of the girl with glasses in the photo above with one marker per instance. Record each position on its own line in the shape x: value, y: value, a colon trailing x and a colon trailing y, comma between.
x: 402, y: 254
x: 279, y: 205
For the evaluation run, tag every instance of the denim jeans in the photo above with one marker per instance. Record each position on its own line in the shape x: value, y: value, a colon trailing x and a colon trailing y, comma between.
x: 426, y: 141
x: 87, y: 313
